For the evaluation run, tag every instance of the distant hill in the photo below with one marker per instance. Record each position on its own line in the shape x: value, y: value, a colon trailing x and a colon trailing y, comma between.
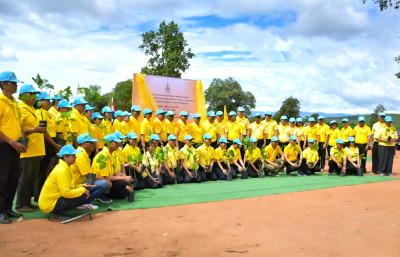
x: 304, y: 114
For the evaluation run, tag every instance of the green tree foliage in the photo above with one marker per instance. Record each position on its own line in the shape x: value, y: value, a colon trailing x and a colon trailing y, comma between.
x: 373, y: 118
x: 228, y: 92
x: 42, y: 83
x: 122, y: 94
x: 90, y: 93
x: 168, y: 51
x: 66, y: 93
x: 104, y: 101
x: 290, y: 107
x: 314, y: 115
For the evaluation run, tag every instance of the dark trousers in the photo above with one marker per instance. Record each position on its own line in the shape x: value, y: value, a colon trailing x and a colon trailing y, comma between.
x: 322, y: 155
x: 201, y: 172
x: 300, y: 170
x: 97, y: 191
x: 209, y: 175
x: 150, y: 183
x: 118, y: 190
x: 386, y: 155
x: 64, y: 205
x: 363, y: 152
x: 302, y: 144
x: 350, y: 168
x: 219, y: 173
x: 44, y: 164
x: 166, y: 178
x: 235, y: 171
x: 333, y: 167
x: 29, y: 169
x: 375, y: 158
x: 136, y: 176
x: 312, y: 171
x: 9, y: 175
x: 251, y: 171
x: 196, y: 179
x: 182, y: 177
x: 260, y: 143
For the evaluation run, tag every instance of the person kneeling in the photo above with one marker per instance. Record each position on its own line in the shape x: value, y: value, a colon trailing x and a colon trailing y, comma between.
x: 310, y: 157
x: 274, y: 165
x: 133, y: 159
x: 338, y: 160
x: 236, y: 163
x: 151, y: 169
x: 190, y: 161
x: 171, y: 162
x: 353, y: 157
x: 254, y: 159
x: 221, y: 163
x: 294, y: 157
x: 206, y: 159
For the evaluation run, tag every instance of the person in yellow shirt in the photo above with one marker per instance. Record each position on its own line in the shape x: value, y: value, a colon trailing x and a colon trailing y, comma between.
x: 233, y: 128
x: 300, y: 126
x: 206, y: 159
x: 159, y: 127
x: 294, y: 131
x: 347, y: 131
x: 169, y: 125
x: 106, y: 123
x: 310, y: 131
x: 270, y: 128
x: 236, y: 164
x: 333, y: 135
x: 254, y: 159
x: 98, y: 131
x: 310, y: 157
x: 322, y: 140
x: 353, y: 157
x: 119, y: 118
x: 146, y: 128
x: 190, y: 161
x: 363, y: 139
x: 274, y: 165
x: 283, y: 132
x: 133, y: 157
x: 30, y: 160
x: 134, y: 123
x: 88, y: 117
x: 78, y: 121
x: 221, y: 163
x: 387, y: 137
x: 211, y: 127
x: 172, y: 174
x: 63, y: 128
x: 294, y: 157
x: 195, y: 131
x: 54, y: 106
x: 243, y: 120
x: 256, y: 130
x: 125, y: 123
x: 221, y: 122
x: 10, y: 146
x: 60, y: 194
x: 338, y: 158
x: 375, y: 146
x: 151, y: 167
x: 119, y: 155
x: 181, y: 129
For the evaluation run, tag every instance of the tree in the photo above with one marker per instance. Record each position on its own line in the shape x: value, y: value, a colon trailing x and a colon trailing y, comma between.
x: 373, y: 118
x: 42, y: 83
x: 65, y: 93
x: 290, y: 107
x: 167, y: 50
x: 122, y: 94
x: 104, y: 101
x: 91, y: 93
x: 228, y: 92
x: 314, y: 115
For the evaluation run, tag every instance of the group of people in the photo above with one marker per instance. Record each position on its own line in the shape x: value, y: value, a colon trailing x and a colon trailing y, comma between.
x: 66, y: 156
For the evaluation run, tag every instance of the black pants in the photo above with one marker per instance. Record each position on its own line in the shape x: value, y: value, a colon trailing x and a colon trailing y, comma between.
x: 333, y: 167
x: 44, y: 164
x: 182, y: 177
x: 363, y: 152
x: 386, y: 155
x: 253, y: 173
x: 9, y: 175
x: 208, y: 175
x: 300, y: 170
x: 136, y: 176
x: 260, y: 143
x: 302, y: 145
x: 322, y: 155
x: 235, y: 171
x: 375, y: 158
x: 64, y: 205
x: 351, y: 169
x: 166, y: 178
x: 29, y: 169
x: 118, y: 190
x: 202, y: 173
x: 312, y: 171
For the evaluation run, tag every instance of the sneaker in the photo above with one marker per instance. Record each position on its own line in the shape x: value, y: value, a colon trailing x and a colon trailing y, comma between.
x: 87, y: 207
x: 390, y: 175
x: 372, y: 173
x: 104, y: 199
x: 382, y: 174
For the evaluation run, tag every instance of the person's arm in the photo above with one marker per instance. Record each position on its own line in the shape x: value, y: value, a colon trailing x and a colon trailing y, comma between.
x: 334, y: 159
x: 344, y: 164
x: 186, y: 169
x: 326, y: 141
x: 301, y: 159
x: 20, y: 148
x: 305, y: 141
x: 351, y: 160
x: 37, y: 129
x: 318, y: 139
x: 241, y: 163
x: 249, y: 132
x: 276, y: 133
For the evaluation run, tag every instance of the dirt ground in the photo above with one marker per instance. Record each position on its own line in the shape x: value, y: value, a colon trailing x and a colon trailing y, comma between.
x: 361, y: 220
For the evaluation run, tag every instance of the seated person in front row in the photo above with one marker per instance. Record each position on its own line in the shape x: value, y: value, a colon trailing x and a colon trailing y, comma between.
x: 151, y: 167
x: 206, y: 158
x: 294, y: 157
x: 133, y: 159
x: 190, y: 162
x: 170, y: 164
x: 338, y: 159
x: 310, y: 157
x: 221, y: 163
x: 59, y: 194
x: 353, y: 157
x: 254, y: 159
x: 236, y: 164
x: 105, y: 165
x: 274, y: 165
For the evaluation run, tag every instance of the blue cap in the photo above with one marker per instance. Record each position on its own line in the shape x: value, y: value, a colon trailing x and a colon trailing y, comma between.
x: 345, y: 120
x: 253, y: 139
x: 125, y: 113
x: 388, y: 118
x: 183, y: 113
x: 351, y: 139
x: 207, y: 135
x: 44, y: 96
x: 27, y: 89
x: 147, y: 111
x: 188, y: 137
x: 96, y: 115
x: 292, y: 120
x: 119, y: 135
x: 292, y: 137
x: 311, y: 140
x: 89, y: 108
x: 64, y: 104
x: 112, y: 137
x: 339, y: 141
x: 118, y: 113
x: 106, y: 109
x: 132, y: 135
x: 57, y: 97
x: 240, y: 109
x: 237, y: 141
x: 170, y: 113
x: 274, y: 139
x: 320, y: 117
x: 361, y: 118
x: 67, y: 150
x: 135, y: 108
x: 268, y: 113
x: 382, y: 114
x: 85, y: 137
x: 299, y: 119
x: 211, y: 113
x: 219, y: 113
x: 160, y: 111
x: 232, y: 113
x: 154, y: 137
x: 283, y: 117
x: 171, y: 137
x: 311, y: 119
x: 80, y: 100
x: 223, y: 140
x: 9, y: 76
x: 333, y: 121
x: 196, y: 115
x: 257, y: 115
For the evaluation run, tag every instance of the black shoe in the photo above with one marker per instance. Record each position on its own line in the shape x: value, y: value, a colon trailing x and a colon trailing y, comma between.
x: 104, y: 199
x: 12, y: 214
x: 60, y: 217
x: 3, y: 218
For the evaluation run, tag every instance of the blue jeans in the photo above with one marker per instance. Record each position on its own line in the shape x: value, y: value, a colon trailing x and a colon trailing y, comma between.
x: 97, y: 191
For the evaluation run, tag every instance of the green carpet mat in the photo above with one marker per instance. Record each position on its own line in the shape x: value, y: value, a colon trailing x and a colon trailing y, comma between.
x: 224, y: 190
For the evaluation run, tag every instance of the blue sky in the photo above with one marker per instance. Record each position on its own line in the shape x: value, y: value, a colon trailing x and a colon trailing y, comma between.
x: 334, y: 56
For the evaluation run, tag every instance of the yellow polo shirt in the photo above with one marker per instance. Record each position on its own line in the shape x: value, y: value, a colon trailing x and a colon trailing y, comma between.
x: 333, y: 136
x: 353, y: 152
x: 293, y: 152
x: 133, y: 153
x: 245, y: 123
x: 63, y: 127
x: 257, y: 130
x: 294, y: 131
x: 169, y: 127
x: 125, y: 128
x: 254, y: 155
x: 134, y: 125
x: 78, y: 123
x: 107, y: 160
x: 311, y: 132
x: 81, y: 167
x: 118, y: 156
x: 272, y: 153
x: 311, y: 155
x: 376, y: 127
x: 214, y: 129
x: 53, y: 112
x: 221, y: 127
x: 99, y: 134
x: 284, y: 133
x: 45, y: 115
x: 146, y: 129
x: 270, y: 127
x: 182, y: 130
x: 301, y: 131
x: 322, y: 132
x: 195, y: 132
x: 36, y: 140
x: 189, y: 158
x: 108, y: 127
x: 89, y: 125
x: 234, y: 129
x: 236, y: 153
x: 220, y: 155
x: 361, y: 134
x: 384, y: 132
x: 117, y: 126
x: 159, y: 128
x: 150, y: 160
x: 10, y: 118
x: 339, y: 155
x: 206, y: 154
x: 346, y: 133
x: 172, y: 156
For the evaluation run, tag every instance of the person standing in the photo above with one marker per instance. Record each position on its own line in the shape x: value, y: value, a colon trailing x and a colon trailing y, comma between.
x: 134, y: 123
x: 283, y: 132
x: 310, y: 131
x: 78, y: 121
x: 333, y: 135
x: 54, y: 106
x: 181, y: 129
x: 322, y: 140
x: 63, y: 128
x: 10, y: 148
x: 88, y: 113
x: 119, y: 118
x: 106, y: 123
x: 375, y: 147
x: 211, y: 127
x: 233, y: 128
x: 243, y: 120
x: 346, y: 132
x: 256, y: 130
x: 195, y: 131
x: 159, y: 127
x: 363, y: 139
x: 270, y: 128
x: 387, y: 137
x: 146, y: 128
x: 169, y: 126
x: 221, y: 122
x: 299, y: 125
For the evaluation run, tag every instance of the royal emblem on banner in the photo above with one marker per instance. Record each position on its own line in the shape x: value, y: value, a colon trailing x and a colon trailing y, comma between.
x: 167, y: 89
